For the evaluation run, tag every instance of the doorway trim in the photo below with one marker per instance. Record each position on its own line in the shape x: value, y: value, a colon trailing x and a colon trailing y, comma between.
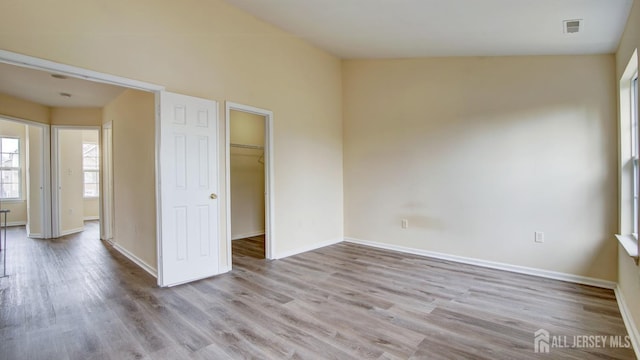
x: 31, y: 62
x: 269, y: 221
x: 106, y: 180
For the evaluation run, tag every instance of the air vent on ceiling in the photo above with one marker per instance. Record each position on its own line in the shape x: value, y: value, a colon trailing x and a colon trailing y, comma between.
x: 572, y: 26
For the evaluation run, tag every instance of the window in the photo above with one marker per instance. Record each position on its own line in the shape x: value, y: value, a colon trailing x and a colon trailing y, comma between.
x: 629, y: 160
x: 10, y: 168
x: 90, y: 167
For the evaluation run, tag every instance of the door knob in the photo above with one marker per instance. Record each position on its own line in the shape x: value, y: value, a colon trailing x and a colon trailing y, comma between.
x: 213, y: 196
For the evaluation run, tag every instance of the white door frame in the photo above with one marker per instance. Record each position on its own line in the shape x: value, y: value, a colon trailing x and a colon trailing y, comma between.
x: 269, y: 221
x: 55, y: 173
x: 45, y: 201
x: 106, y: 182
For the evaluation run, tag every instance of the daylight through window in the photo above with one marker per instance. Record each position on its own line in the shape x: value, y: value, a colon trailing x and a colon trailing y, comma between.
x: 10, y: 168
x: 90, y: 165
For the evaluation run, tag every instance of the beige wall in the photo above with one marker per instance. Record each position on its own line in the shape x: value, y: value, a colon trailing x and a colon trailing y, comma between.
x: 479, y: 153
x: 71, y: 180
x: 628, y: 273
x: 213, y: 50
x: 76, y: 116
x: 18, y: 208
x: 247, y: 175
x: 133, y: 117
x: 23, y: 109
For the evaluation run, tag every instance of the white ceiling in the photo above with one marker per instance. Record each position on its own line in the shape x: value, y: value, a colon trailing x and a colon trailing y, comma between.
x: 40, y: 87
x: 422, y: 28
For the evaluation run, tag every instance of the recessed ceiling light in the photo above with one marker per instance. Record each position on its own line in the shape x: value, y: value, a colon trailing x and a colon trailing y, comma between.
x: 64, y: 94
x: 58, y: 76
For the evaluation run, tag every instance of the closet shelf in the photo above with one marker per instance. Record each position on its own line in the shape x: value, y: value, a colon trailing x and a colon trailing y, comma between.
x: 246, y: 146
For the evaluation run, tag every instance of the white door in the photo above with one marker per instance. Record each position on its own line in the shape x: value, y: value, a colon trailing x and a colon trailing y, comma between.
x: 188, y: 229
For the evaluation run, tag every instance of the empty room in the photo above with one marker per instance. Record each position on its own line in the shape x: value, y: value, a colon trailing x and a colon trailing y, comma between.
x: 413, y: 179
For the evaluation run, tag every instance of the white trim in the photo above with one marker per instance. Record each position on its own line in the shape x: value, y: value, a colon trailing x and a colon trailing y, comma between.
x: 269, y: 183
x: 17, y: 223
x: 304, y: 249
x: 630, y: 245
x: 247, y: 235
x: 628, y: 321
x: 158, y: 191
x: 72, y: 231
x: 106, y: 183
x: 46, y: 173
x: 73, y: 71
x: 93, y: 217
x: 13, y: 201
x: 35, y: 236
x: 55, y: 181
x: 491, y: 264
x: 136, y: 260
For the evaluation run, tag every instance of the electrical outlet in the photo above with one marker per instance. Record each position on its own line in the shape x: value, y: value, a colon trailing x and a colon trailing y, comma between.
x: 405, y: 223
x: 539, y: 237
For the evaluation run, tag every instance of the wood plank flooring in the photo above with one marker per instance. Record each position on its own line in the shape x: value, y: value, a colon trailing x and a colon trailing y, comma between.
x: 252, y: 247
x: 77, y: 298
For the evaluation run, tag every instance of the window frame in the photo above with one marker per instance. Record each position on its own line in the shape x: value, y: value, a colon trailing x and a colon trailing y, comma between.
x: 629, y: 160
x: 86, y: 170
x: 12, y: 168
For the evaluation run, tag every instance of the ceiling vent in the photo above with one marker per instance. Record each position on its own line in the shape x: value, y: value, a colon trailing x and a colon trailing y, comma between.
x: 572, y: 26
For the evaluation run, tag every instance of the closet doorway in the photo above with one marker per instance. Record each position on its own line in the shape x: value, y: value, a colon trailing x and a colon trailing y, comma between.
x: 248, y: 182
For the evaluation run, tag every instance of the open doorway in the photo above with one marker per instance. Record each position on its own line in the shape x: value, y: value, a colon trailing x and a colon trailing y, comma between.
x: 23, y: 174
x: 143, y: 116
x: 76, y: 178
x: 249, y: 183
x: 246, y: 154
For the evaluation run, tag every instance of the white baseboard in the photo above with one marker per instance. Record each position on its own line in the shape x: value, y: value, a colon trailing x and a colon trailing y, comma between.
x: 492, y: 265
x: 16, y: 223
x: 146, y: 267
x: 89, y: 218
x: 247, y: 235
x: 303, y: 249
x: 72, y: 231
x: 628, y: 321
x: 35, y: 236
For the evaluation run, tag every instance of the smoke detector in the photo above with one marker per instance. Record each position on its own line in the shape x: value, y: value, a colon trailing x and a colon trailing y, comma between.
x: 572, y: 26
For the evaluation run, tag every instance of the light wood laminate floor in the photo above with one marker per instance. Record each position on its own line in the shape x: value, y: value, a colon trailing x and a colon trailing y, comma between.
x: 77, y: 298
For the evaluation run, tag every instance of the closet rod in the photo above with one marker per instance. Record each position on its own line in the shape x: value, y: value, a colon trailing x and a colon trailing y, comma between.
x: 243, y: 146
